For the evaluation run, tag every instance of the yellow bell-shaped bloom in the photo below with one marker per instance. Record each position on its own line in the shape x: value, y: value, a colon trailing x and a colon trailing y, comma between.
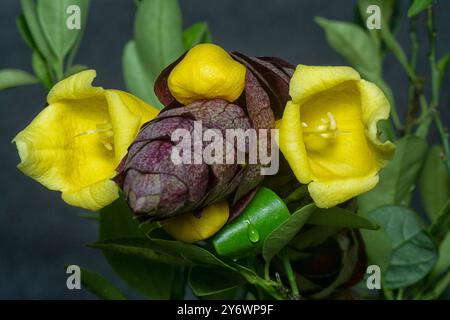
x: 206, y: 72
x: 189, y: 228
x: 328, y: 133
x: 76, y: 142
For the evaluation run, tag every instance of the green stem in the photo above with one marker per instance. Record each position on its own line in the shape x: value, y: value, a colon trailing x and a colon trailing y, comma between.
x: 290, y: 273
x: 414, y: 89
x: 434, y: 102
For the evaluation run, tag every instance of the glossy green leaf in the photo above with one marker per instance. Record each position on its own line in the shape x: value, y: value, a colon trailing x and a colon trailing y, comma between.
x: 207, y: 281
x: 418, y: 6
x: 413, y: 252
x: 10, y: 78
x: 434, y: 182
x: 100, y: 286
x: 195, y: 34
x: 158, y: 34
x: 354, y: 44
x: 245, y: 235
x: 138, y: 82
x: 398, y: 178
x: 150, y: 278
x: 285, y: 232
x: 342, y: 218
x: 53, y: 17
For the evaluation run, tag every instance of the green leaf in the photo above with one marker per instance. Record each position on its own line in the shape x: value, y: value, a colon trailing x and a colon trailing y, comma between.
x: 139, y: 248
x: 342, y: 218
x: 40, y: 68
x: 434, y: 182
x: 53, y: 17
x: 207, y: 281
x: 389, y: 13
x: 195, y: 34
x: 190, y: 252
x: 413, y: 252
x: 442, y: 65
x: 100, y: 286
x: 25, y: 33
x: 158, y: 34
x: 418, y: 6
x: 354, y: 44
x: 137, y: 80
x: 150, y: 278
x: 313, y: 237
x: 75, y: 69
x: 166, y: 251
x: 443, y: 262
x: 10, y: 78
x: 440, y: 227
x: 378, y: 247
x: 32, y: 21
x: 398, y: 178
x: 285, y: 232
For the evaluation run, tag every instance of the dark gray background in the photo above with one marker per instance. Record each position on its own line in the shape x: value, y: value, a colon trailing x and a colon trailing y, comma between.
x: 39, y: 234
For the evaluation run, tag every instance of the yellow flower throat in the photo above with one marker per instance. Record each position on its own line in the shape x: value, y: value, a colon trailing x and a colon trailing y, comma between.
x: 104, y: 132
x: 318, y: 138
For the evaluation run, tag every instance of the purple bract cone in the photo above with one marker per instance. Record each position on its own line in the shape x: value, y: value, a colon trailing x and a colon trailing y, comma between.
x: 156, y: 188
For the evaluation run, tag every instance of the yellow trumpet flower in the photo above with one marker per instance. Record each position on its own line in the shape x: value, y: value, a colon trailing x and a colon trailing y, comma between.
x: 76, y: 142
x: 189, y: 228
x: 328, y: 133
x: 207, y: 72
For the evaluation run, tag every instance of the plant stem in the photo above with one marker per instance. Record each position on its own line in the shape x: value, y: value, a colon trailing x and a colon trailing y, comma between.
x: 414, y: 89
x: 434, y: 102
x: 290, y: 273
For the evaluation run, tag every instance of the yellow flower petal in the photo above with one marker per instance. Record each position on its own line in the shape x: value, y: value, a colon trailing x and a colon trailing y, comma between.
x: 94, y: 196
x: 329, y: 135
x: 327, y: 194
x: 349, y: 154
x: 71, y: 145
x: 77, y: 86
x: 188, y: 228
x: 128, y: 114
x: 375, y: 107
x: 291, y: 142
x: 309, y: 80
x: 206, y: 72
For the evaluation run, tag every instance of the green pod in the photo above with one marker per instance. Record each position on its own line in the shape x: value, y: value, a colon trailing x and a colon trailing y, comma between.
x: 245, y: 235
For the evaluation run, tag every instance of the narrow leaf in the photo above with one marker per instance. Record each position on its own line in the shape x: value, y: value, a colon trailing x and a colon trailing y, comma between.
x: 354, y: 44
x: 418, y: 6
x: 195, y: 34
x: 55, y: 18
x: 14, y: 77
x: 342, y: 218
x: 434, y: 182
x: 100, y: 286
x: 284, y: 233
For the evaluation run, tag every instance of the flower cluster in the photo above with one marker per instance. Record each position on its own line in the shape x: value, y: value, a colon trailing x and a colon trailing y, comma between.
x: 327, y: 120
